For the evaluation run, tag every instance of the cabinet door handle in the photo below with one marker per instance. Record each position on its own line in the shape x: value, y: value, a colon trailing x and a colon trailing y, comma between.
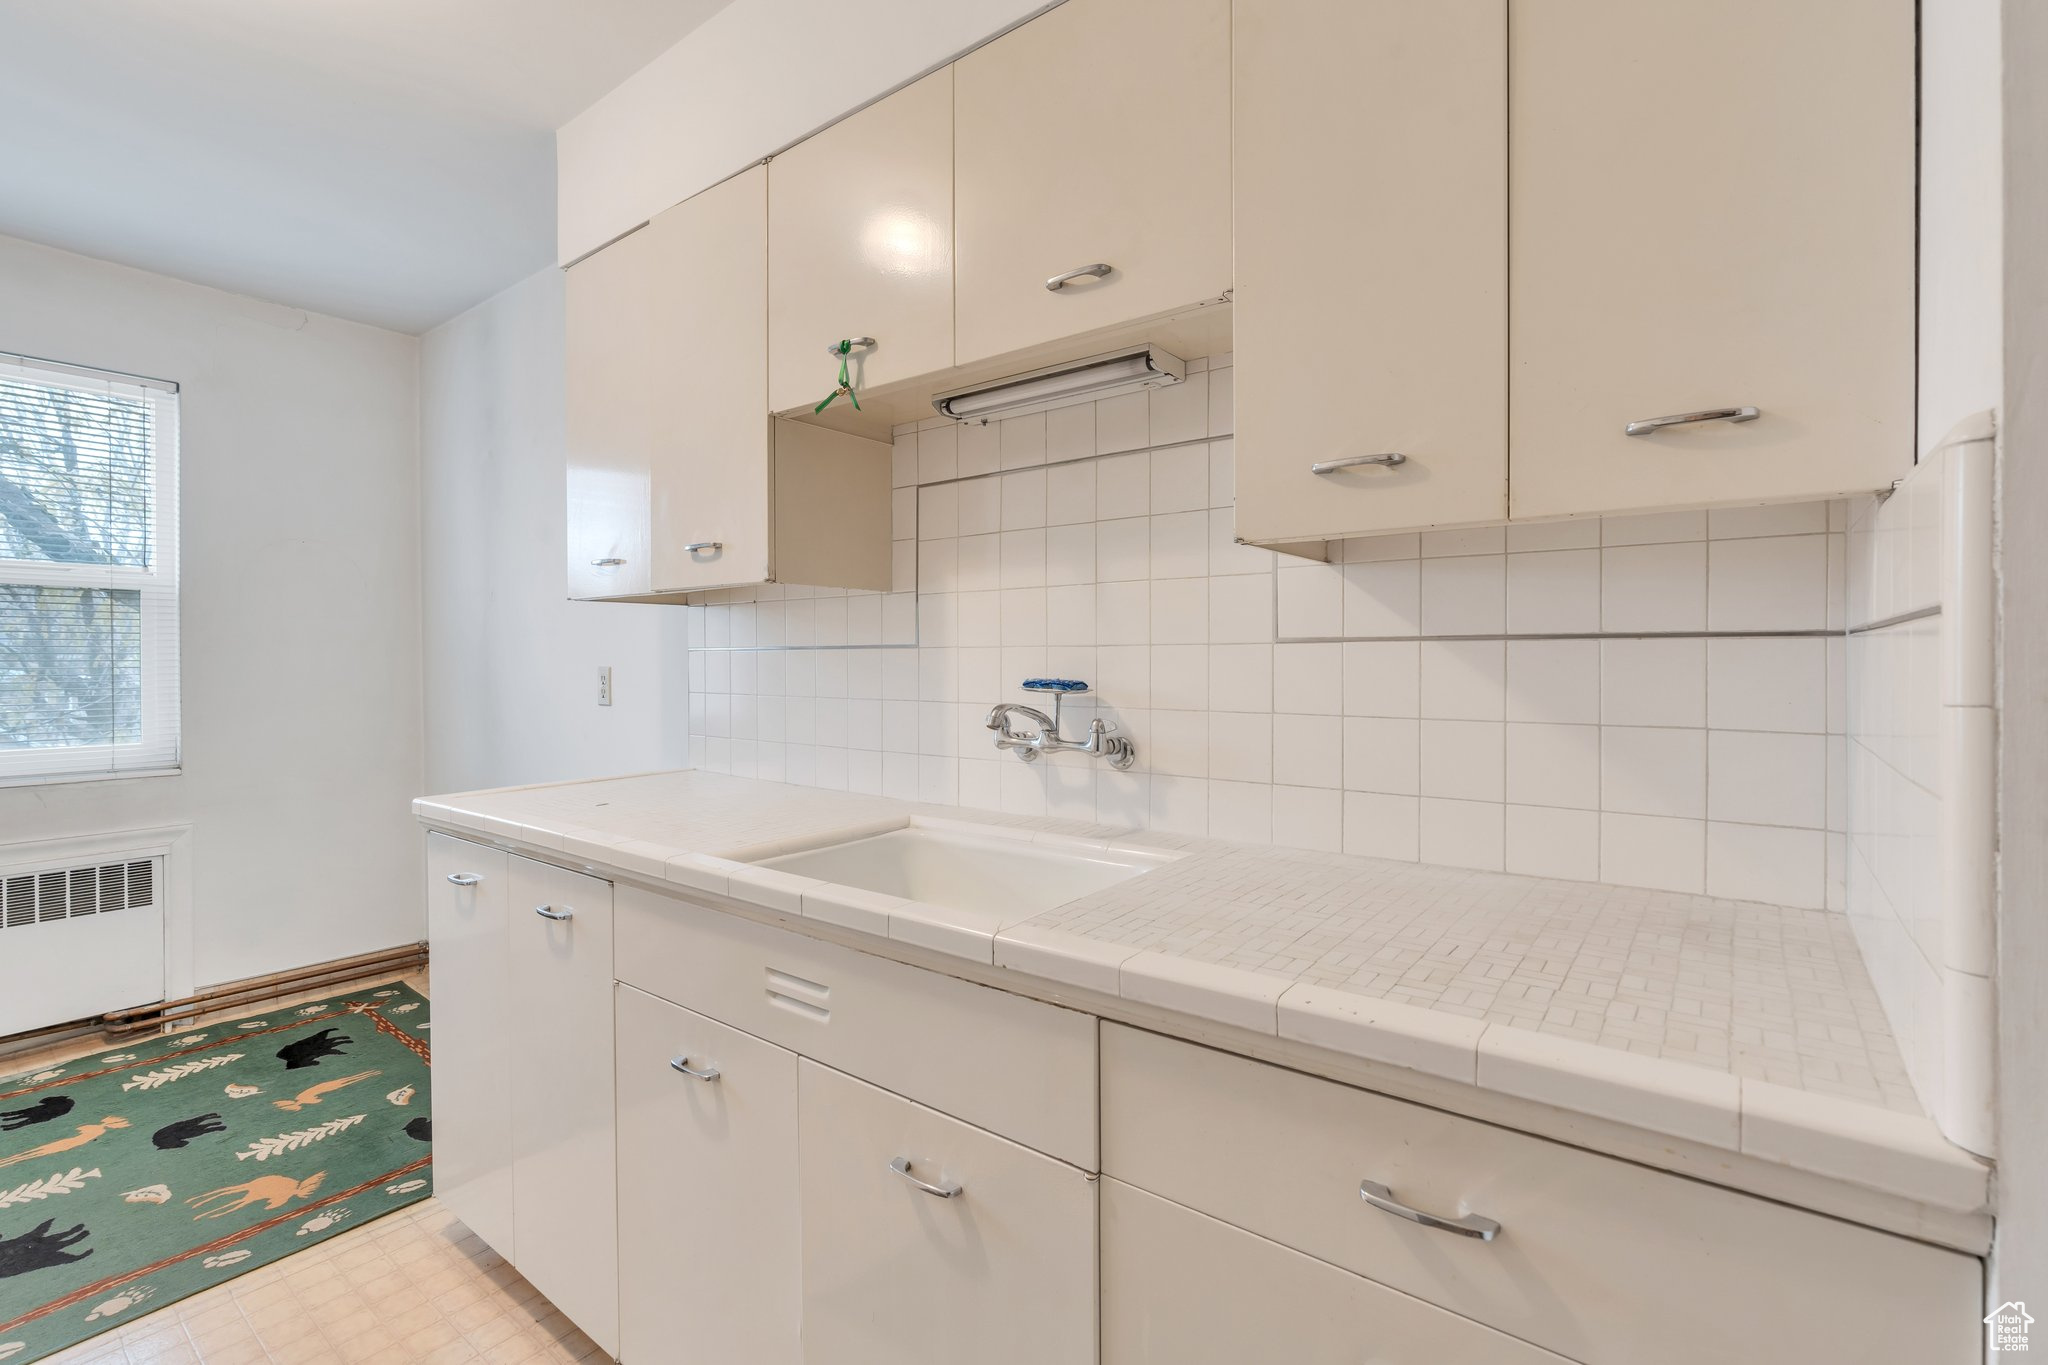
x: 606, y: 563
x: 1389, y: 459
x: 464, y: 878
x: 1686, y: 419
x: 682, y: 1064
x: 1060, y: 281
x: 549, y: 912
x: 901, y: 1165
x: 697, y: 545
x: 1471, y: 1225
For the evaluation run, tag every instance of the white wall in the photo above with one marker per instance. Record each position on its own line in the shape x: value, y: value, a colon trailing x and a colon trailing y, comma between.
x: 300, y: 611
x: 1961, y: 200
x: 511, y: 665
x: 1484, y: 697
x: 2020, y: 1261
x: 758, y: 76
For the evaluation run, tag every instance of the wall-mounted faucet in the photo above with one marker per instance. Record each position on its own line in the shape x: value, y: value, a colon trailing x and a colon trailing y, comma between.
x: 1045, y: 738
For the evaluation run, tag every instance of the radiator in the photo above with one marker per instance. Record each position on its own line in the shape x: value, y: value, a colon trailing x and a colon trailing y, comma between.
x: 79, y: 938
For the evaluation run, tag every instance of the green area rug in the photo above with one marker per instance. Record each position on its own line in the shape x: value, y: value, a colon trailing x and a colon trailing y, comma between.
x: 134, y: 1177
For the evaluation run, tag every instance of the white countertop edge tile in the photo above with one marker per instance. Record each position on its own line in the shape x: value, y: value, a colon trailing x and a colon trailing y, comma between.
x: 1059, y: 955
x: 1392, y: 1031
x: 849, y: 907
x: 1903, y: 1153
x: 700, y: 872
x: 769, y: 888
x: 1207, y: 990
x: 1648, y: 1092
x: 945, y: 932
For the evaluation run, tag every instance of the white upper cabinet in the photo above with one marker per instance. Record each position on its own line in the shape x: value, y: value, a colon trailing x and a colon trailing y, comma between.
x: 1370, y: 143
x: 678, y: 478
x: 1096, y: 134
x: 612, y: 331
x: 1713, y: 210
x: 668, y: 400
x: 860, y: 244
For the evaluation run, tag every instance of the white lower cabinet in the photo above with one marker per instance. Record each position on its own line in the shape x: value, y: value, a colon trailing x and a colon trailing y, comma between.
x: 709, y: 1253
x: 1179, y: 1287
x: 930, y: 1242
x: 473, y: 1022
x: 1599, y: 1260
x: 524, y: 1148
x: 564, y: 1183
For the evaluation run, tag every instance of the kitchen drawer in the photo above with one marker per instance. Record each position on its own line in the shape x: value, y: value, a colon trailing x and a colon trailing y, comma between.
x: 1001, y: 1271
x: 1017, y: 1067
x: 1600, y: 1260
x: 1179, y: 1286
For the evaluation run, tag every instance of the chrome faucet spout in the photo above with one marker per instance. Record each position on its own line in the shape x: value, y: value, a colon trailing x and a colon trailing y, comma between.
x: 1047, y: 739
x: 1029, y: 745
x: 999, y: 717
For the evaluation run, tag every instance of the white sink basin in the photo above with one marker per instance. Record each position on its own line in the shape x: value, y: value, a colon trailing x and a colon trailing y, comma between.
x: 1009, y: 877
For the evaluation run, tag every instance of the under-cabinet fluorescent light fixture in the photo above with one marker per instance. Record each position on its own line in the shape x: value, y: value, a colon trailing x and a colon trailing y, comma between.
x: 1099, y: 376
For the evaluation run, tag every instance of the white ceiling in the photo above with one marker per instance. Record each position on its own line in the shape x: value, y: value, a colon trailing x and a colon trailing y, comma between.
x: 390, y: 161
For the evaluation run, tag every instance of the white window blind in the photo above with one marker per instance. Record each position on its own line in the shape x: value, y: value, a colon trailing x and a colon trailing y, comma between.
x: 88, y: 573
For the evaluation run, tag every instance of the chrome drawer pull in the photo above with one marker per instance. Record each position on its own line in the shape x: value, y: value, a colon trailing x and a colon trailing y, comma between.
x: 1686, y: 419
x: 694, y: 546
x: 682, y: 1064
x: 862, y: 343
x: 901, y: 1165
x: 464, y: 878
x: 1390, y: 459
x: 549, y: 912
x: 1060, y: 281
x: 606, y: 563
x: 1471, y: 1225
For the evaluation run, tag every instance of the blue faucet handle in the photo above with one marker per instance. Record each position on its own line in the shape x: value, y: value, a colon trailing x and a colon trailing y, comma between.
x: 1064, y: 686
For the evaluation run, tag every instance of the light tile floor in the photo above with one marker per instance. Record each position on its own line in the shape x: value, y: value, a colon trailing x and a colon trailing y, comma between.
x: 415, y: 1286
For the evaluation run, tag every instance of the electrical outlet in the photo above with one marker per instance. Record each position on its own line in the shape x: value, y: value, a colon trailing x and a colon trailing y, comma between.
x: 604, y: 686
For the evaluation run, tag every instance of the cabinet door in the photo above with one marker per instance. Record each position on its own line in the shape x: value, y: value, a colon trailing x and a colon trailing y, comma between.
x: 1179, y: 1286
x: 1000, y: 1273
x: 1096, y: 133
x: 473, y: 1047
x: 564, y: 1187
x: 1712, y: 208
x: 1370, y: 146
x: 611, y: 340
x: 711, y: 481
x: 709, y: 1251
x: 860, y: 243
x: 668, y: 400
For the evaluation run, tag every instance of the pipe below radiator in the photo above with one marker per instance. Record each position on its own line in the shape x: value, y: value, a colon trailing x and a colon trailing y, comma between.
x: 251, y: 990
x: 230, y: 995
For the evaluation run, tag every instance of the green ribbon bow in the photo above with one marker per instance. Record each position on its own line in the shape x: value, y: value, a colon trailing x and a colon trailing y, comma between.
x: 845, y: 389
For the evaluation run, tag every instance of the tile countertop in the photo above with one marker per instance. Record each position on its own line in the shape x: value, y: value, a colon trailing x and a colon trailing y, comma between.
x: 1744, y: 1027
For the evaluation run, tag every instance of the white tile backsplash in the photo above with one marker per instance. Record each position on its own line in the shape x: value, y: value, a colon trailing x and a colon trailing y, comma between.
x: 1535, y: 698
x: 1917, y: 772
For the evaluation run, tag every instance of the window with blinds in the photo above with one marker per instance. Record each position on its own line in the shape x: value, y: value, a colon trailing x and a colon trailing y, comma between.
x: 88, y: 573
